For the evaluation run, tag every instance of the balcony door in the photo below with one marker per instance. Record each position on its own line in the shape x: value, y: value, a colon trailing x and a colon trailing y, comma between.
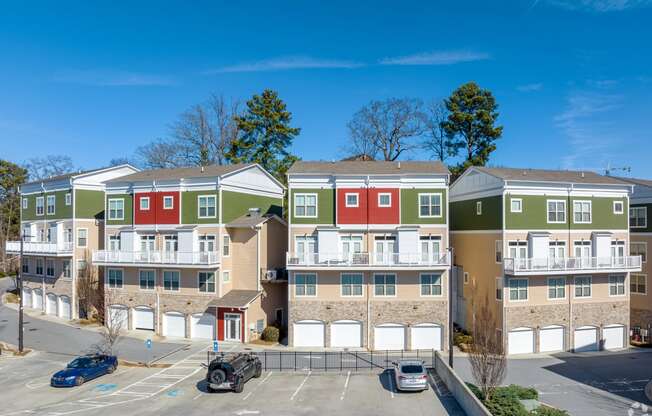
x: 618, y: 252
x: 305, y: 249
x: 351, y: 248
x: 557, y: 254
x: 147, y: 246
x: 430, y: 249
x: 386, y: 250
x: 583, y: 254
x: 170, y: 247
x: 232, y: 326
x: 518, y: 251
x: 206, y: 247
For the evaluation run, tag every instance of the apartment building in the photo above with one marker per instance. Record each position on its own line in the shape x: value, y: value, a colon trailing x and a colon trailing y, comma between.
x: 368, y: 262
x: 61, y: 222
x: 195, y: 252
x: 549, y: 251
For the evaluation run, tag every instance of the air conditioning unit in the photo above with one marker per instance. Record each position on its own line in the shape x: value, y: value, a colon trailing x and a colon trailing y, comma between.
x: 270, y: 274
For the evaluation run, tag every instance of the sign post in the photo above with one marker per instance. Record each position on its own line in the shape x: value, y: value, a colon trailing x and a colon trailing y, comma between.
x: 148, y: 344
x: 215, y: 346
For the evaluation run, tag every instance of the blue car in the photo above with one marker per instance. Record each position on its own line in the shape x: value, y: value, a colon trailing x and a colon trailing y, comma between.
x: 85, y: 368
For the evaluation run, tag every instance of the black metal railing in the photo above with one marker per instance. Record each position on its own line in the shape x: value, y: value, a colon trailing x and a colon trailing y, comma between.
x: 334, y: 360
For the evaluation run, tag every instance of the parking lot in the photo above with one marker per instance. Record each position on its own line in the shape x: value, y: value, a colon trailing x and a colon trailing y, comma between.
x: 180, y: 389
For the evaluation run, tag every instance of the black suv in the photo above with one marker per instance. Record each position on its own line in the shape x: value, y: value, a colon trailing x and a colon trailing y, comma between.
x: 230, y: 372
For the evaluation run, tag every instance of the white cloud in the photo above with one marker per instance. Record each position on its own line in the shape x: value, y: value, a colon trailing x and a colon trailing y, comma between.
x: 436, y: 58
x: 286, y: 63
x: 112, y: 78
x: 530, y: 87
x: 599, y: 6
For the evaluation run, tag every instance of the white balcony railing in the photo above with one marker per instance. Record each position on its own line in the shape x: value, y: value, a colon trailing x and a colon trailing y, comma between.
x: 367, y: 259
x: 198, y: 258
x: 544, y: 265
x: 41, y: 247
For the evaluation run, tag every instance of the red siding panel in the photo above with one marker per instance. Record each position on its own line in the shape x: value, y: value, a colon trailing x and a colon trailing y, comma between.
x: 147, y: 216
x: 384, y: 215
x: 351, y: 215
x: 156, y: 214
x: 220, y: 322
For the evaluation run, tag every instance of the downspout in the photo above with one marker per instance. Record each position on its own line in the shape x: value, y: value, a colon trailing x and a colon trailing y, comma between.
x: 502, y: 278
x: 570, y: 294
x: 45, y: 261
x: 258, y: 275
x: 369, y: 279
x: 73, y: 262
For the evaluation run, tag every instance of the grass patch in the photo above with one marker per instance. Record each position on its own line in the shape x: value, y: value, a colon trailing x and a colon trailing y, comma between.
x: 505, y: 401
x: 263, y: 342
x: 12, y: 298
x: 90, y: 321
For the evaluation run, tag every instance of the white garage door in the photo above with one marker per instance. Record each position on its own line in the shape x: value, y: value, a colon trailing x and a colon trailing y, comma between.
x: 51, y: 305
x: 143, y: 318
x: 520, y: 341
x: 27, y: 298
x: 65, y: 309
x: 551, y: 338
x: 426, y: 337
x: 614, y: 336
x: 308, y: 334
x: 389, y: 337
x: 346, y: 334
x: 174, y: 325
x: 586, y: 339
x: 37, y: 299
x: 202, y: 326
x: 118, y: 316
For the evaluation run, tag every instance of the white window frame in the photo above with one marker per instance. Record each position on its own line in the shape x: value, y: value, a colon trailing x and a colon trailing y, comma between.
x: 641, y: 243
x: 362, y: 285
x: 548, y: 287
x: 36, y: 267
x: 208, y: 197
x: 205, y: 238
x: 581, y: 202
x: 478, y: 207
x: 40, y: 199
x: 140, y: 203
x: 644, y: 209
x: 78, y: 232
x: 384, y: 285
x: 616, y: 284
x: 82, y: 262
x: 430, y: 205
x: 67, y: 275
x: 498, y: 288
x: 527, y: 289
x: 387, y: 194
x: 520, y: 205
x: 68, y: 199
x: 294, y: 281
x: 622, y: 207
x: 226, y: 276
x: 565, y: 211
x: 215, y: 281
x: 52, y: 198
x: 441, y: 285
x: 146, y: 289
x: 645, y: 283
x: 168, y: 198
x: 47, y: 269
x: 346, y: 200
x: 305, y: 205
x: 116, y: 209
x: 226, y: 245
x: 25, y: 203
x: 498, y: 248
x: 108, y: 278
x: 163, y: 280
x: 590, y: 287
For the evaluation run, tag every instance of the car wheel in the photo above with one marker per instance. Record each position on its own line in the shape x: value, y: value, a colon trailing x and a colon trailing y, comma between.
x: 110, y: 370
x: 259, y: 371
x: 239, y: 386
x: 218, y: 376
x: 79, y: 381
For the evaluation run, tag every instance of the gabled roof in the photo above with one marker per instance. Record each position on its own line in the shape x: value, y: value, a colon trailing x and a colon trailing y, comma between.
x: 358, y: 167
x: 179, y: 173
x: 545, y: 175
x: 238, y: 298
x: 72, y: 175
x: 252, y: 219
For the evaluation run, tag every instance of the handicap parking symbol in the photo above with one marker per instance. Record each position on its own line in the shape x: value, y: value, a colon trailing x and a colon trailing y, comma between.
x: 105, y: 387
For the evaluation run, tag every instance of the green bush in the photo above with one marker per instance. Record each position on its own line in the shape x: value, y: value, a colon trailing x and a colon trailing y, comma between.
x: 462, y: 338
x: 271, y: 333
x: 517, y: 392
x: 475, y: 390
x: 505, y: 406
x: 549, y: 411
x: 505, y: 401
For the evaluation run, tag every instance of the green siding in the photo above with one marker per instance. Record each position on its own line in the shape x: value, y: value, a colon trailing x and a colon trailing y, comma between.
x: 128, y: 217
x: 602, y: 215
x: 89, y: 204
x: 236, y: 204
x: 325, y: 206
x: 189, y: 213
x: 648, y: 229
x: 61, y: 210
x: 464, y: 216
x: 410, y: 206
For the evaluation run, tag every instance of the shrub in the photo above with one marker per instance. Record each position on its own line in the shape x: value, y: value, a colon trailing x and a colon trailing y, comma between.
x: 462, y: 338
x: 505, y: 406
x: 548, y: 411
x: 475, y: 390
x: 271, y: 333
x: 517, y: 392
x: 12, y: 298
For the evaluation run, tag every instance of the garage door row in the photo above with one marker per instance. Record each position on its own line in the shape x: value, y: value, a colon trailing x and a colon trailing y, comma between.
x: 553, y: 339
x: 349, y: 334
x: 55, y: 305
x: 173, y: 324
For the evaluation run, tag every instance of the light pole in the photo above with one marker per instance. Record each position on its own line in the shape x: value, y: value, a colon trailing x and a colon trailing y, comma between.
x: 20, y: 295
x: 450, y: 307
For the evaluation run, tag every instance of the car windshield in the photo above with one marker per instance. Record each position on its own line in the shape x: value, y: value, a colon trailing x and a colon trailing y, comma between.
x: 80, y: 363
x: 411, y: 369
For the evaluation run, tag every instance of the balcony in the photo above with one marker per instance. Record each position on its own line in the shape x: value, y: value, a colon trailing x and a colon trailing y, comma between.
x: 43, y: 248
x: 367, y: 261
x: 536, y: 266
x: 156, y: 258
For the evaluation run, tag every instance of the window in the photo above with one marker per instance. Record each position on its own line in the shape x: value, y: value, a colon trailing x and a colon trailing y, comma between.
x: 146, y: 279
x: 171, y: 244
x: 40, y: 203
x: 351, y: 200
x: 305, y: 205
x: 144, y: 203
x: 305, y: 284
x: 385, y: 285
x: 478, y: 208
x: 638, y: 283
x: 499, y: 288
x: 583, y: 286
x: 116, y: 209
x: 638, y: 249
x: 81, y: 265
x: 207, y: 282
x: 556, y: 211
x: 617, y: 249
x: 115, y: 278
x: 171, y: 280
x: 429, y: 205
x: 51, y: 202
x: 68, y: 198
x: 260, y: 326
x: 25, y: 202
x: 637, y: 217
x: 616, y: 285
x: 49, y: 268
x: 114, y: 242
x: 226, y: 276
x: 226, y: 245
x: 147, y: 243
x: 351, y: 284
x: 206, y: 205
x: 499, y: 251
x: 350, y: 244
x: 25, y: 267
x: 431, y: 284
x: 384, y: 200
x: 168, y: 202
x: 557, y: 253
x: 619, y: 207
x: 82, y: 237
x: 582, y: 212
x: 516, y: 205
x: 39, y: 266
x: 206, y: 243
x: 517, y: 249
x: 430, y: 248
x: 66, y: 269
x: 582, y: 249
x: 556, y: 288
x: 518, y: 289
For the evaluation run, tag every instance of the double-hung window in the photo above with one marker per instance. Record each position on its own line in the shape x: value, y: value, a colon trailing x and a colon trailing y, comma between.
x: 385, y: 285
x: 68, y: 198
x: 171, y: 280
x: 305, y: 205
x: 66, y: 269
x: 498, y: 250
x: 616, y: 285
x: 351, y: 284
x: 582, y: 212
x: 147, y: 279
x: 556, y: 288
x: 638, y: 283
x: 40, y: 205
x: 638, y: 249
x: 429, y: 205
x: 51, y: 202
x: 226, y: 245
x: 583, y: 286
x: 638, y: 217
x: 82, y: 237
x: 25, y: 203
x: 499, y: 288
x: 49, y: 268
x: 518, y: 289
x: 305, y: 284
x: 430, y: 284
x: 116, y: 209
x: 115, y: 278
x: 206, y: 205
x: 207, y: 282
x: 556, y: 211
x: 39, y: 267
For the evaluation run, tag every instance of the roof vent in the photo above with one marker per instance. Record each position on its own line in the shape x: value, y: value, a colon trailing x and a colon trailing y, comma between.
x: 254, y: 211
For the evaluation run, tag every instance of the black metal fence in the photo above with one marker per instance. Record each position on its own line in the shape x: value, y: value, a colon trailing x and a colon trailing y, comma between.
x: 335, y: 360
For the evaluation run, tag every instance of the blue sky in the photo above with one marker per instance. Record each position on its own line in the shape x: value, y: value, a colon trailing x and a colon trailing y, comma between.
x: 96, y: 80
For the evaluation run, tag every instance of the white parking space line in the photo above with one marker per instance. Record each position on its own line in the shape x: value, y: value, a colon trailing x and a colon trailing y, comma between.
x: 346, y: 385
x: 260, y: 383
x: 300, y: 386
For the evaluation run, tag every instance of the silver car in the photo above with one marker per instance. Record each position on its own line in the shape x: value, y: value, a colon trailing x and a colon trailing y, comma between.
x: 410, y: 375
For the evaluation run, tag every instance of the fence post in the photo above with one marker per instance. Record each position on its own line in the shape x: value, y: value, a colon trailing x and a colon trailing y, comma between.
x: 310, y: 360
x: 265, y: 360
x: 356, y: 362
x: 371, y: 362
x: 325, y: 360
x: 341, y: 361
x: 280, y: 361
x: 386, y: 358
x: 295, y: 361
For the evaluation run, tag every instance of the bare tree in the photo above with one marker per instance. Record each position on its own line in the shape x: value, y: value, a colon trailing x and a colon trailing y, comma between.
x: 487, y: 354
x: 51, y: 165
x: 386, y: 128
x: 114, y: 325
x: 159, y: 154
x: 436, y: 141
x: 89, y: 291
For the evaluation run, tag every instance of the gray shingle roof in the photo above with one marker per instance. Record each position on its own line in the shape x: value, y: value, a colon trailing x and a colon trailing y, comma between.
x: 249, y: 220
x: 64, y: 176
x: 638, y: 181
x: 544, y: 175
x: 235, y: 299
x: 178, y: 173
x: 369, y: 168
